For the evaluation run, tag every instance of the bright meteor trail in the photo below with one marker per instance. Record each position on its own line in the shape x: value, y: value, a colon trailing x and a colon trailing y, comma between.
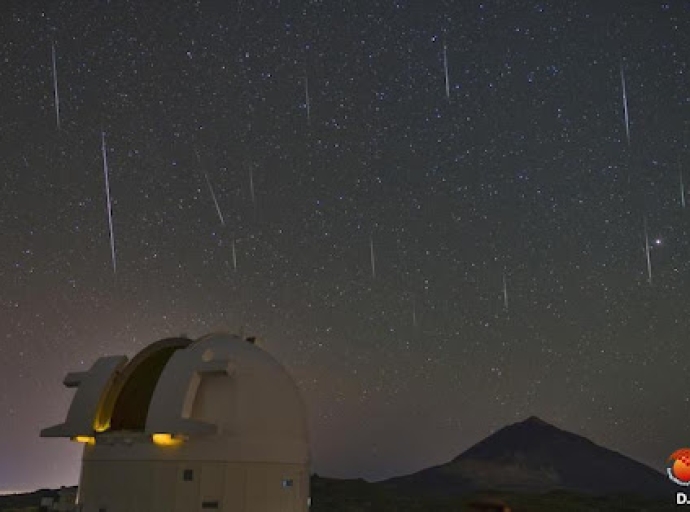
x: 445, y: 68
x: 55, y: 89
x: 210, y: 189
x: 625, y: 104
x: 110, y: 206
x: 647, y: 250
x: 215, y: 201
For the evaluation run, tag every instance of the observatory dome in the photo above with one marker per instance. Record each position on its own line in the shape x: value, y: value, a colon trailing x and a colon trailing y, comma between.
x: 219, y: 411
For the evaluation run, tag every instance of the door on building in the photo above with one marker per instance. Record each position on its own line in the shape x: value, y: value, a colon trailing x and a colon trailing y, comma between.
x: 212, y: 480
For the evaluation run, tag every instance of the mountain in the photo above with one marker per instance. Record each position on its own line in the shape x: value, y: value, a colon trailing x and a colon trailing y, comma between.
x: 533, y: 456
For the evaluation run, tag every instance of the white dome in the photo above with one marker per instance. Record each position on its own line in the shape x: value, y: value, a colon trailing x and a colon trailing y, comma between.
x: 224, y: 398
x: 213, y: 422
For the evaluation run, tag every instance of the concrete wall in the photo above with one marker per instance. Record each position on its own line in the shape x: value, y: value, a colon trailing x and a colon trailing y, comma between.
x: 146, y: 486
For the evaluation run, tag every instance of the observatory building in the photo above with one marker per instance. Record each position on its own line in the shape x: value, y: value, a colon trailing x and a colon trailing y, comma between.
x: 189, y: 426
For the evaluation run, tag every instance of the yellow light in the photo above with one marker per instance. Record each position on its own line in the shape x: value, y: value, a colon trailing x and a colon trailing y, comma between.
x: 165, y: 440
x: 101, y: 427
x: 84, y: 439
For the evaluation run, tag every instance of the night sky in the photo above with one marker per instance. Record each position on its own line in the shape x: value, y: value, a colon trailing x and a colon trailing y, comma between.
x: 504, y: 209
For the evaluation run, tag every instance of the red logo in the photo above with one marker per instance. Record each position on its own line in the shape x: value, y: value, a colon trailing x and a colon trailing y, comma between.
x: 680, y: 471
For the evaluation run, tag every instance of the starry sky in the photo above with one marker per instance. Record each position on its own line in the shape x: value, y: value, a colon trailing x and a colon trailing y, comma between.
x: 529, y: 257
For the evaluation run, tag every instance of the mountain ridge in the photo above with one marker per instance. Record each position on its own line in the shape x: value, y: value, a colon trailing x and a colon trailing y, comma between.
x: 535, y: 456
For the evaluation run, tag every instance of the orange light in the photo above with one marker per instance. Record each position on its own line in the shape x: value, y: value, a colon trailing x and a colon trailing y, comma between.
x: 165, y: 440
x: 84, y: 439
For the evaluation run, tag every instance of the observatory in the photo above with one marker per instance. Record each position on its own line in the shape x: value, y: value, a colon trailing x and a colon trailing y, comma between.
x: 187, y: 426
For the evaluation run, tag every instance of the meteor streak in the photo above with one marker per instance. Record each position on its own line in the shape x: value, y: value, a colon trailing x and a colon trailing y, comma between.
x: 215, y: 201
x: 505, y: 292
x: 307, y: 100
x: 251, y: 186
x: 445, y: 68
x: 625, y: 104
x: 647, y: 250
x: 109, y: 204
x: 373, y: 260
x: 682, y: 186
x: 55, y: 88
x: 210, y: 189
